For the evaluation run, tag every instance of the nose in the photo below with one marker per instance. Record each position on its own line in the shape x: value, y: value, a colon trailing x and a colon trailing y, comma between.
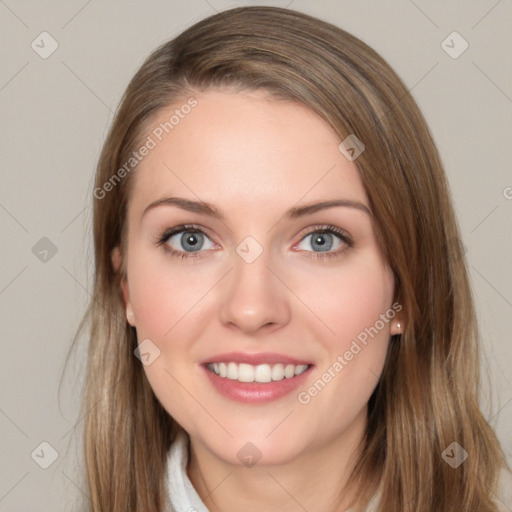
x: 254, y: 297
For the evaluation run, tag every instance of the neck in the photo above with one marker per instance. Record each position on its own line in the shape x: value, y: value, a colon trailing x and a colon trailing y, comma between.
x: 314, y: 480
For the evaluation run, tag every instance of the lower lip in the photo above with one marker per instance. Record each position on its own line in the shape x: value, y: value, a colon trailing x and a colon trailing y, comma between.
x: 255, y: 392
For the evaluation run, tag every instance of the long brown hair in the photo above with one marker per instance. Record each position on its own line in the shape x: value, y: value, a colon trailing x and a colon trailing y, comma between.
x: 426, y: 398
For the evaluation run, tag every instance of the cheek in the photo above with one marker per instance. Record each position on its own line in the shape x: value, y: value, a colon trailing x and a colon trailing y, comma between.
x: 352, y: 300
x: 357, y: 305
x: 162, y: 296
x: 163, y: 292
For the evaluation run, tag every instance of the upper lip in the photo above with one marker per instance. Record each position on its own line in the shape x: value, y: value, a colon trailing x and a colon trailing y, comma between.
x: 253, y: 358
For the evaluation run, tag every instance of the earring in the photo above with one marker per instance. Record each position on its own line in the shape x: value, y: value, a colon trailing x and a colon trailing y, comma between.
x: 129, y: 314
x: 398, y: 325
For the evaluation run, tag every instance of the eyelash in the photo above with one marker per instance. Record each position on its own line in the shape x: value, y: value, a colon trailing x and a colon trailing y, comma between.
x: 193, y: 228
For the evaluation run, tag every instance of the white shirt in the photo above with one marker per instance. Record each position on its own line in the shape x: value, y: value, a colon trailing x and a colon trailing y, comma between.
x: 180, y: 491
x: 184, y: 498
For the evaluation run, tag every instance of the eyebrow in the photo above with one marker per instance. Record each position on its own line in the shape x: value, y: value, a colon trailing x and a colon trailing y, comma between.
x: 295, y: 212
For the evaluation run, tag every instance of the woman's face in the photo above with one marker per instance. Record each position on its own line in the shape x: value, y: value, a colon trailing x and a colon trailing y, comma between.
x: 272, y: 288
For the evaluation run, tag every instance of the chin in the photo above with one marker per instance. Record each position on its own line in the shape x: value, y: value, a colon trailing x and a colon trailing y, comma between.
x: 254, y: 448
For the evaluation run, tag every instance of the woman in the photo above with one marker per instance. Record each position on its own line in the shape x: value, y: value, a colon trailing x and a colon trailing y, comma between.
x: 281, y: 316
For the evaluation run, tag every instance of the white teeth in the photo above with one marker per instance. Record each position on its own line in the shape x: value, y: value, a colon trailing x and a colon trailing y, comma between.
x: 289, y: 371
x: 300, y: 369
x: 232, y: 371
x: 245, y: 372
x: 277, y: 372
x: 262, y: 373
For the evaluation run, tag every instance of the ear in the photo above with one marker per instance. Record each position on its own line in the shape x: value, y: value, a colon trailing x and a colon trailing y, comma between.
x: 117, y: 263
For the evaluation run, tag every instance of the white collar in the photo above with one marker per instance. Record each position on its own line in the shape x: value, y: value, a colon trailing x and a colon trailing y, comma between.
x: 184, y: 497
x: 181, y: 492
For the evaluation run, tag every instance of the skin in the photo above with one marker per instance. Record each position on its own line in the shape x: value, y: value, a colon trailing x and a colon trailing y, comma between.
x: 254, y: 157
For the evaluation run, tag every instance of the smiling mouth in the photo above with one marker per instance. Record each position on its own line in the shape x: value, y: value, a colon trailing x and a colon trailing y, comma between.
x: 262, y: 373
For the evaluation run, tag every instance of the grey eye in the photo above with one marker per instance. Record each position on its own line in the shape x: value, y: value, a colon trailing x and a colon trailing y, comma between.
x: 190, y: 241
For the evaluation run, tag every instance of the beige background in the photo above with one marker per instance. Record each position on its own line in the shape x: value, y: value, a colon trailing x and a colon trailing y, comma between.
x: 55, y: 113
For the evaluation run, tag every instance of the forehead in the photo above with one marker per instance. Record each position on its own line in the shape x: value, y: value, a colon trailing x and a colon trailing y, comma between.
x: 243, y: 149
